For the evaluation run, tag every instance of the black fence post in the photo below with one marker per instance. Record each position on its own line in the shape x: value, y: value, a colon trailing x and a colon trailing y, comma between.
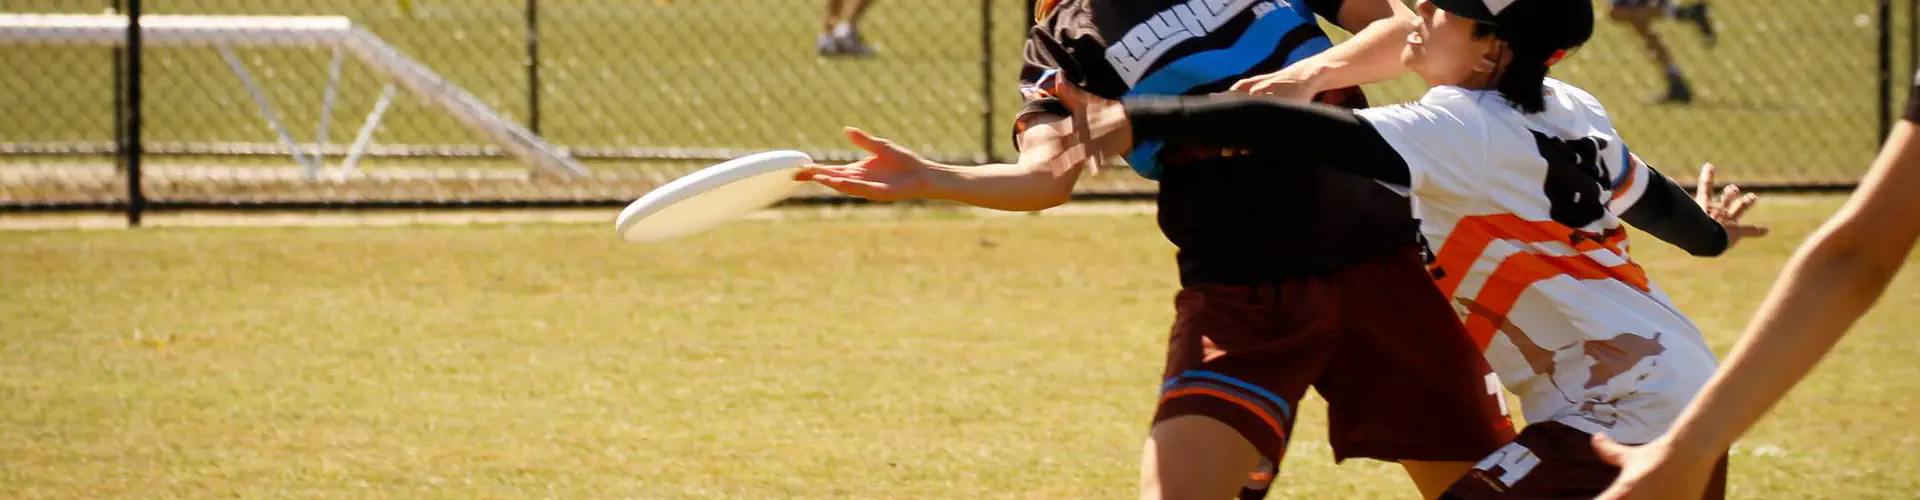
x: 130, y: 140
x: 1886, y: 71
x: 533, y: 66
x: 119, y: 89
x: 986, y: 82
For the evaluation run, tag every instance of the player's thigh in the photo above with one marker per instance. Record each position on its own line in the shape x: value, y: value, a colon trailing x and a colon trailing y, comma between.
x: 1195, y: 457
x: 1397, y: 327
x: 1433, y: 478
x: 1243, y: 357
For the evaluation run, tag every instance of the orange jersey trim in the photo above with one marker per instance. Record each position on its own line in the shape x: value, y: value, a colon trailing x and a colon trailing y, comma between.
x: 1470, y: 239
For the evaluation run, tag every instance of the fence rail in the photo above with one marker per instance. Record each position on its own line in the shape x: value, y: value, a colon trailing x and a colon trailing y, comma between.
x: 1793, y: 95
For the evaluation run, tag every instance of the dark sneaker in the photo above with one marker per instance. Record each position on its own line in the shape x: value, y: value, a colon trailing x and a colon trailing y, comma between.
x: 1678, y: 92
x: 853, y: 45
x: 825, y: 45
x: 1698, y: 16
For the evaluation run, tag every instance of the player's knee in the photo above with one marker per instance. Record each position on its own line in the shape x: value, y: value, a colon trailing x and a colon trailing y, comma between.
x: 1196, y: 457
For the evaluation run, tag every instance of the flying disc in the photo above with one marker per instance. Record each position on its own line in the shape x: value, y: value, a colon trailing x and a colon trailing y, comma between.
x: 711, y: 196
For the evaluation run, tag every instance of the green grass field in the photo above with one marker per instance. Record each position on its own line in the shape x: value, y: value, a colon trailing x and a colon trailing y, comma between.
x: 1789, y: 94
x: 908, y: 354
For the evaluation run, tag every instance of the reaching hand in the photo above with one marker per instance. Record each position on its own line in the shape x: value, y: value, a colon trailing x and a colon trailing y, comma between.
x: 1101, y: 123
x: 1728, y: 210
x: 893, y: 173
x: 1283, y: 84
x: 1653, y: 471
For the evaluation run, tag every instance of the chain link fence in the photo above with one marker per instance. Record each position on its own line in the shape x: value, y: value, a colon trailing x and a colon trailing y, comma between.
x: 639, y: 92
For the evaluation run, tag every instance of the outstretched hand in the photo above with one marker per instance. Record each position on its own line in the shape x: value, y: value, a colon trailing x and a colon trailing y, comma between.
x: 1729, y: 208
x: 1286, y: 84
x: 1653, y: 471
x: 892, y: 173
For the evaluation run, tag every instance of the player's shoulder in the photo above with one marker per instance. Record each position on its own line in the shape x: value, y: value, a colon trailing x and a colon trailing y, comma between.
x: 1573, y: 98
x: 1443, y: 103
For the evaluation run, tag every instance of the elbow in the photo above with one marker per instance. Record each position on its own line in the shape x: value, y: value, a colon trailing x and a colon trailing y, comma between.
x: 1058, y: 195
x: 1048, y: 192
x: 1879, y: 246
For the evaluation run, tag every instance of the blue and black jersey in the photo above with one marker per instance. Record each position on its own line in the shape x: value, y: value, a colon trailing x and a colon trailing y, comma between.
x: 1232, y: 225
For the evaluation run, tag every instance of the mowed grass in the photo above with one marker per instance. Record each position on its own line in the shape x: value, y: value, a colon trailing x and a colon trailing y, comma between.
x: 1789, y: 93
x: 905, y: 355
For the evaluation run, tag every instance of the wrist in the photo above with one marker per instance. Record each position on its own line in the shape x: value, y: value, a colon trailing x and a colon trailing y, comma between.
x: 945, y: 182
x: 1693, y: 447
x: 1312, y: 75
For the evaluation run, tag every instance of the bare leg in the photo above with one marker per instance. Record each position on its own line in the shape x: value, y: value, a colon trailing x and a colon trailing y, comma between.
x: 1433, y: 478
x: 1640, y: 19
x: 833, y: 15
x: 859, y: 10
x: 1194, y: 457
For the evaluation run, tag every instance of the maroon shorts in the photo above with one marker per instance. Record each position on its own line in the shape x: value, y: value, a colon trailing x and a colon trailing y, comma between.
x: 1551, y: 461
x: 1376, y: 339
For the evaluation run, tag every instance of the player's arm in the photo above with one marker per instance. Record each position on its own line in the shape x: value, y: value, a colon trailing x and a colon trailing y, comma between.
x: 1042, y: 178
x: 1654, y: 203
x: 1380, y: 29
x: 1833, y: 279
x: 1049, y: 166
x: 1050, y: 163
x: 1317, y: 135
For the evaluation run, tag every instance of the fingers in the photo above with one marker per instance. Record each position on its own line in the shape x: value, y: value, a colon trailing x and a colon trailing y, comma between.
x: 875, y: 145
x: 1728, y: 195
x: 807, y: 171
x: 854, y: 187
x: 1245, y: 85
x: 1744, y: 231
x: 1739, y: 207
x: 1704, y: 191
x: 1611, y: 452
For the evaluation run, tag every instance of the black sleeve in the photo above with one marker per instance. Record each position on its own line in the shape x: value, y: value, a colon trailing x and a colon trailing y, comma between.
x: 1669, y: 213
x: 1913, y: 102
x: 1314, y: 134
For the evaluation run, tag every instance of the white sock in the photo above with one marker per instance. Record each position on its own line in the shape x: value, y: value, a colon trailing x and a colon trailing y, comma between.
x: 843, y: 29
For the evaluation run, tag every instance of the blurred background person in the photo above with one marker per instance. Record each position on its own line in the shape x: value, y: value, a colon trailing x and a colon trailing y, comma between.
x: 1640, y: 15
x: 840, y: 29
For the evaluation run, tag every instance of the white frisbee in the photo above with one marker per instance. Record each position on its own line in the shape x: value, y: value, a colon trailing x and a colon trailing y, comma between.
x: 711, y: 196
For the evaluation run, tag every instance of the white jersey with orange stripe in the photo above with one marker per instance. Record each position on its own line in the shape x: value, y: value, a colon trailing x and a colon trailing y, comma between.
x: 1522, y: 210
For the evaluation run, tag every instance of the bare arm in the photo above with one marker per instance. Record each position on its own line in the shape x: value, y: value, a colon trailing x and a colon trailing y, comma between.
x: 1050, y: 164
x: 1380, y: 29
x: 1836, y: 276
x: 1833, y: 279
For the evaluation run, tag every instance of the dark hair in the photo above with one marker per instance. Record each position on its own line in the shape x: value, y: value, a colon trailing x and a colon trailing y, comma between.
x: 1522, y: 79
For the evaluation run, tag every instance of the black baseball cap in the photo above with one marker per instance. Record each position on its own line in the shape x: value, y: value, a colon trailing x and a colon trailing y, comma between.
x: 1550, y: 26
